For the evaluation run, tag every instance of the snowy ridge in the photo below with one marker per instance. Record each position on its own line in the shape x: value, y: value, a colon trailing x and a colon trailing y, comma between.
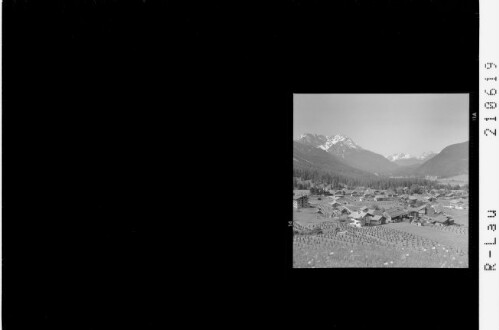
x: 349, y: 152
x: 326, y: 142
x: 400, y: 156
x: 338, y: 138
x: 426, y: 155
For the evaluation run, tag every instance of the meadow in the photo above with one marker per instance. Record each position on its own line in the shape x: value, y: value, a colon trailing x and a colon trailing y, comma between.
x: 454, y: 236
x: 327, y: 243
x: 455, y: 180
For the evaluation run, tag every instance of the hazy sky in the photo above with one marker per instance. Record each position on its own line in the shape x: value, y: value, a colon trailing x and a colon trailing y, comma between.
x: 386, y: 123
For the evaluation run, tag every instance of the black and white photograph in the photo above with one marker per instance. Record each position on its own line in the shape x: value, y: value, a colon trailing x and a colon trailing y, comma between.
x: 147, y: 143
x: 380, y: 180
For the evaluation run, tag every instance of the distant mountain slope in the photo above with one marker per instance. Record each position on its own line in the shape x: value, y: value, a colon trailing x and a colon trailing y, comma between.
x: 452, y: 160
x: 406, y: 170
x: 369, y: 161
x: 309, y: 157
x: 349, y: 152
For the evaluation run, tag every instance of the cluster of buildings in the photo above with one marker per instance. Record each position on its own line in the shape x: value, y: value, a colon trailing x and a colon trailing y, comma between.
x: 421, y: 215
x: 419, y: 209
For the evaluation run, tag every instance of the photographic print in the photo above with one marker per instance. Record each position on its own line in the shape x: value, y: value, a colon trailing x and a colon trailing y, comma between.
x: 380, y: 180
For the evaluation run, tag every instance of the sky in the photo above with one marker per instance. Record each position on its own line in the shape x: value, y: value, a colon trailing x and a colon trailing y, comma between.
x: 386, y: 123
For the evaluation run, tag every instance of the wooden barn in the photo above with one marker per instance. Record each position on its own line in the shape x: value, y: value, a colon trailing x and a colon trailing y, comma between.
x: 396, y: 215
x: 417, y: 212
x: 335, y: 204
x: 442, y: 220
x: 422, y: 210
x: 377, y: 220
x: 344, y: 210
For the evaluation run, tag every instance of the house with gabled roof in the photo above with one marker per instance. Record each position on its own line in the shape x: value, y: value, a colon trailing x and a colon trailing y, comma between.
x: 442, y: 220
x: 387, y: 217
x: 377, y: 220
x: 300, y: 201
x: 396, y: 214
x: 335, y: 204
x: 422, y: 210
x: 417, y: 212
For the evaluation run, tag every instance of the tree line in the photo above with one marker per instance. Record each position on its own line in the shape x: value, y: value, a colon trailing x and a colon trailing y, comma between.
x: 382, y: 183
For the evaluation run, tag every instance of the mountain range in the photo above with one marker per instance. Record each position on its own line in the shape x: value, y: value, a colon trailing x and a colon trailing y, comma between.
x: 350, y: 153
x: 309, y: 157
x: 340, y: 154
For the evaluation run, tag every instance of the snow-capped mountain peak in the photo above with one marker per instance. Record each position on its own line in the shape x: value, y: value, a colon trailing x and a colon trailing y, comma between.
x: 339, y: 140
x: 426, y: 155
x: 399, y: 156
x: 403, y: 156
x: 348, y: 151
x: 312, y: 139
x: 338, y: 143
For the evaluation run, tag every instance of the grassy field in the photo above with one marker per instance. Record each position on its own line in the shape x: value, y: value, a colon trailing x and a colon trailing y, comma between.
x: 397, y: 245
x: 449, y: 238
x: 307, y: 216
x: 458, y: 179
x: 354, y: 256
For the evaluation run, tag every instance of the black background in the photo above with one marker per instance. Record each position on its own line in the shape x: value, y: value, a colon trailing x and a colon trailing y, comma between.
x: 146, y: 149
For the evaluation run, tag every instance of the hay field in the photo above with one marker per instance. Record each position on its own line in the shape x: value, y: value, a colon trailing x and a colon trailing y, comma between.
x: 450, y: 236
x: 339, y: 245
x: 308, y: 216
x: 458, y: 179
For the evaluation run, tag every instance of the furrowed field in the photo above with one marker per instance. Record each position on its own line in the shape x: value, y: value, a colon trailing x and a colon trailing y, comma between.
x: 324, y: 243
